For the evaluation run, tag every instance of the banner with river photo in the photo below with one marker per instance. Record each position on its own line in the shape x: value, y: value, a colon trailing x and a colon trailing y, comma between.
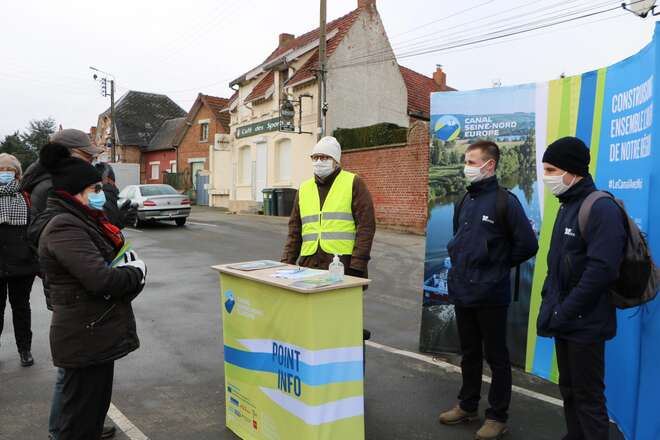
x: 611, y: 110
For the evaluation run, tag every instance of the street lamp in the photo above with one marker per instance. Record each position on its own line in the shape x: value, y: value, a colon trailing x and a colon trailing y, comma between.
x: 641, y: 8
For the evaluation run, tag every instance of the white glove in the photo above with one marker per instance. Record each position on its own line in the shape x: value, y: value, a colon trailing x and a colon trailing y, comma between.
x: 131, y: 259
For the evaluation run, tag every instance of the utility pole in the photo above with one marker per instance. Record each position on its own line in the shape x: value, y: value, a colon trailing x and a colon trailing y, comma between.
x: 113, y: 151
x: 322, y: 106
x: 104, y: 93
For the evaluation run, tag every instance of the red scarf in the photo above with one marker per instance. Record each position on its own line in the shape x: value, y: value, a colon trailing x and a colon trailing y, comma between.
x: 111, y: 232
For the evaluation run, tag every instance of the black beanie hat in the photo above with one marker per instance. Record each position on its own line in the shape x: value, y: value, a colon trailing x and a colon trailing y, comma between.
x: 570, y: 154
x: 68, y: 174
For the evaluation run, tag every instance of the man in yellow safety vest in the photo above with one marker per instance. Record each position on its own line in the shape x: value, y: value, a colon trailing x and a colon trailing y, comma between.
x: 333, y: 213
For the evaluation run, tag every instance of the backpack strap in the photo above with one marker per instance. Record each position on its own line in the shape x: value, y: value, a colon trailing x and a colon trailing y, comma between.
x: 585, y: 208
x: 457, y: 211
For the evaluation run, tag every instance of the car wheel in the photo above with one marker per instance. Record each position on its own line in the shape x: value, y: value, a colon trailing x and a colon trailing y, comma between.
x: 138, y: 224
x: 180, y: 221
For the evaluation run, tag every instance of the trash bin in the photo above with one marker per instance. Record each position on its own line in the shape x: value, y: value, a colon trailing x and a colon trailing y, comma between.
x: 268, y: 201
x: 285, y: 198
x: 273, y: 202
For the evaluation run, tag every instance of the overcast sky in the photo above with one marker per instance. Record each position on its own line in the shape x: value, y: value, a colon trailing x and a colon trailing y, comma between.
x: 183, y: 47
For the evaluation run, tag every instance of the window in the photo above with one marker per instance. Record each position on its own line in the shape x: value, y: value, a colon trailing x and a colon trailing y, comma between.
x: 283, y: 160
x: 155, y: 170
x: 173, y: 166
x: 245, y: 165
x: 157, y: 190
x: 204, y: 132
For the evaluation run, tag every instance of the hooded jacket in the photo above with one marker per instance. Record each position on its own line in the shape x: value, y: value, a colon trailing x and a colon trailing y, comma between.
x: 581, y: 266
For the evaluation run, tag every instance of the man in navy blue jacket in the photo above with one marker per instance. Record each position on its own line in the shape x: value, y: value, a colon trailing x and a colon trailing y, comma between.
x: 485, y: 246
x: 576, y: 309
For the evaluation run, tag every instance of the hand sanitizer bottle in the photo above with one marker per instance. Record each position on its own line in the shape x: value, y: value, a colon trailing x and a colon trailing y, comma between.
x: 336, y: 270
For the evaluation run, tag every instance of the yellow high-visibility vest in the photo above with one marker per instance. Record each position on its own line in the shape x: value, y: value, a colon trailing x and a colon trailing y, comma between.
x: 333, y: 226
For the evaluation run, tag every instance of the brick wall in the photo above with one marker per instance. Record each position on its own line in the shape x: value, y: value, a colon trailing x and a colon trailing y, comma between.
x: 397, y: 178
x: 163, y: 158
x: 191, y: 147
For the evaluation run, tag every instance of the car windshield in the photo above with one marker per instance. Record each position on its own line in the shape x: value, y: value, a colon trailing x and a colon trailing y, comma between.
x: 157, y: 190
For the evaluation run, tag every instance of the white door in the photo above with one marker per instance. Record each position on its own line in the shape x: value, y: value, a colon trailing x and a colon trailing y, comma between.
x: 261, y: 177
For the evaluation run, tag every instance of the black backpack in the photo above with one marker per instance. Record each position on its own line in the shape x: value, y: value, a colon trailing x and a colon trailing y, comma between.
x: 501, y: 212
x: 639, y: 277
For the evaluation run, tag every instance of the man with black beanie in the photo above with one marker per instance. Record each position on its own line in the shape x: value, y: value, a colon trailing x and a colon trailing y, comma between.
x: 576, y: 309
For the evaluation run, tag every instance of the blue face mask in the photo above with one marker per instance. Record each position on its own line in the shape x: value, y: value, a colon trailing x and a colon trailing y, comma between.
x: 6, y: 177
x: 96, y: 200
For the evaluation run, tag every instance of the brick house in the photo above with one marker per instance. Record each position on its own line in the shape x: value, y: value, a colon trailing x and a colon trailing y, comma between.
x: 207, y: 119
x: 160, y: 156
x: 358, y: 94
x: 138, y: 117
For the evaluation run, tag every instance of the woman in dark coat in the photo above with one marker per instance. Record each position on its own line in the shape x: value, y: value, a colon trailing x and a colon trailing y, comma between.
x: 90, y: 292
x: 18, y: 263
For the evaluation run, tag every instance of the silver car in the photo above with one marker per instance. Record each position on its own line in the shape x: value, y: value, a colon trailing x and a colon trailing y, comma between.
x: 156, y: 202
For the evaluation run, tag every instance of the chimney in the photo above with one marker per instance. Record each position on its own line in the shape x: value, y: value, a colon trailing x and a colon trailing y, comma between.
x: 364, y: 4
x: 286, y: 39
x: 440, y: 77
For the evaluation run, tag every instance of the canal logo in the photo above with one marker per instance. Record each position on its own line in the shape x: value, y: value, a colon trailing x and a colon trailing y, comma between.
x: 229, y: 301
x: 447, y: 128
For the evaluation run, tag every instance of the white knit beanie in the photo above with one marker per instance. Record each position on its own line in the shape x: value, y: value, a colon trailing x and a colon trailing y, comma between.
x: 9, y: 161
x: 328, y: 146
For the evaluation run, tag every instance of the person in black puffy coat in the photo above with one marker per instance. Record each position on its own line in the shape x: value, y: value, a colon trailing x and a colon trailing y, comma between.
x: 18, y: 262
x: 91, y: 293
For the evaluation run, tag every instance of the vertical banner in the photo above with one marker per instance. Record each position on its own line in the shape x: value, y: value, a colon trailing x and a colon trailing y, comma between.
x: 611, y: 110
x: 503, y: 115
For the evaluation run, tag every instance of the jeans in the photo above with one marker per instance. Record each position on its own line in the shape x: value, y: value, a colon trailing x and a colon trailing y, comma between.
x: 56, y: 406
x: 86, y: 397
x: 582, y: 386
x: 482, y: 331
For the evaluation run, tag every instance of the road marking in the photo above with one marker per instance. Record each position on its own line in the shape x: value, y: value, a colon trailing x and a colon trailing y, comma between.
x: 133, y: 230
x: 451, y: 368
x: 202, y: 224
x: 125, y: 425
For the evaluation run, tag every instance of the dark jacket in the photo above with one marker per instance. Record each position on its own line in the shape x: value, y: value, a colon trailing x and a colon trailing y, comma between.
x: 37, y: 183
x: 365, y: 221
x: 111, y: 209
x: 17, y: 257
x: 581, y: 266
x: 482, y: 252
x: 93, y: 320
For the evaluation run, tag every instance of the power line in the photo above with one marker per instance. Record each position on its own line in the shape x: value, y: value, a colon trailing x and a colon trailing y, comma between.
x: 479, y: 39
x: 416, y: 42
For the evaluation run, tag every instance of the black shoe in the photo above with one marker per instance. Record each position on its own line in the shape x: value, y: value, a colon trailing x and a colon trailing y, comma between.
x: 366, y: 334
x: 108, y: 432
x: 26, y: 358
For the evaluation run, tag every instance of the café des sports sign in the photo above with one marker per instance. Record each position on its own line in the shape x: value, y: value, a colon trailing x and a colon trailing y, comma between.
x: 258, y: 128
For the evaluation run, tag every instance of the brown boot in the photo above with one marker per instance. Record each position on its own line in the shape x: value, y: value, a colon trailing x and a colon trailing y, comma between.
x: 457, y: 415
x: 492, y: 430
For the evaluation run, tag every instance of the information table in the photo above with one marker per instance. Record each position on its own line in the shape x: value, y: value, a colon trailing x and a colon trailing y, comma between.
x: 293, y: 357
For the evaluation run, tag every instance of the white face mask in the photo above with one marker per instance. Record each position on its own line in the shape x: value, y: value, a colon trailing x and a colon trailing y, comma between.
x: 473, y: 174
x: 323, y: 167
x: 556, y: 184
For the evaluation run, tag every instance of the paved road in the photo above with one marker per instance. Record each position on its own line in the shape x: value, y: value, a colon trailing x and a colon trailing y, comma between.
x: 172, y: 388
